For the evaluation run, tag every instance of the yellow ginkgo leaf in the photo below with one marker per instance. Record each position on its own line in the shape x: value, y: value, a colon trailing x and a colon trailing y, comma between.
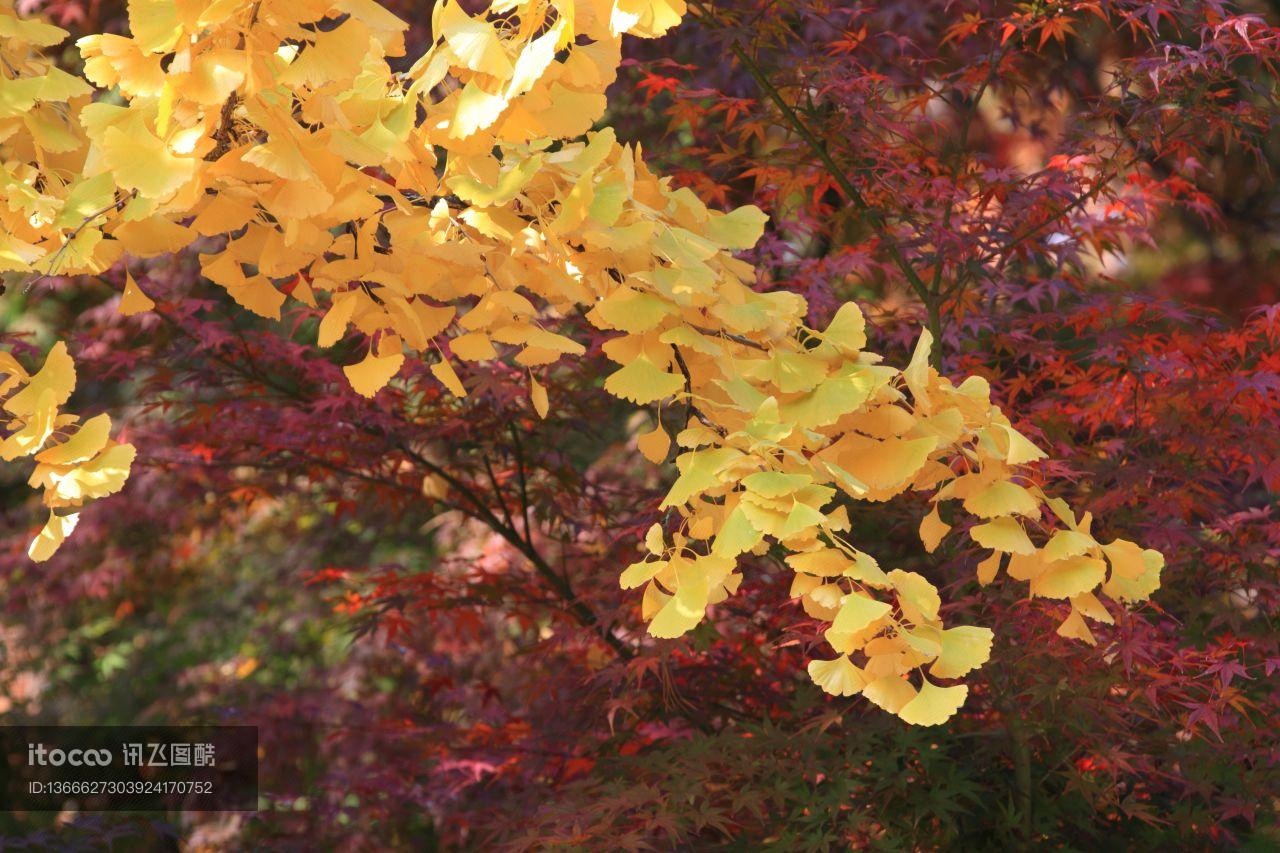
x: 57, y: 376
x: 473, y: 41
x: 153, y: 236
x: 154, y: 24
x: 99, y: 477
x: 1067, y: 543
x: 1002, y: 498
x: 1089, y: 605
x: 655, y: 445
x: 934, y: 705
x: 1075, y: 628
x: 31, y: 31
x: 654, y: 541
x: 259, y: 296
x: 890, y: 692
x: 885, y: 464
x: 86, y: 443
x: 1125, y: 557
x: 538, y: 395
x: 334, y: 323
x: 1070, y: 577
x: 1003, y: 534
x: 52, y: 535
x: 932, y: 529
x: 476, y: 110
x: 369, y: 376
x: 473, y: 346
x: 827, y: 563
x: 838, y: 677
x: 35, y: 431
x: 448, y: 377
x: 989, y: 568
x: 134, y: 301
x: 648, y: 18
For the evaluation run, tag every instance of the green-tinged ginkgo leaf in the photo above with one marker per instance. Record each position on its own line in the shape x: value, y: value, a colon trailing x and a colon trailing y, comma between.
x: 738, y: 229
x: 1021, y: 450
x: 512, y: 182
x: 699, y: 472
x: 963, y: 649
x: 641, y: 381
x: 639, y: 574
x: 916, y: 593
x: 631, y: 311
x: 800, y: 518
x: 933, y: 705
x: 774, y: 484
x: 1124, y: 588
x: 673, y: 620
x: 737, y: 535
x: 847, y: 329
x: 858, y: 612
x: 686, y: 608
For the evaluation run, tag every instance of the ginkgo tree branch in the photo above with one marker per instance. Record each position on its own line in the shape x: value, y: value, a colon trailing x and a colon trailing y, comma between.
x: 75, y: 232
x: 477, y: 508
x: 525, y: 508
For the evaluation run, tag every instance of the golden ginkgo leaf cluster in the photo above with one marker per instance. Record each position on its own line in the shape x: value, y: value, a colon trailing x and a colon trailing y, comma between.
x: 75, y: 461
x: 460, y: 210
